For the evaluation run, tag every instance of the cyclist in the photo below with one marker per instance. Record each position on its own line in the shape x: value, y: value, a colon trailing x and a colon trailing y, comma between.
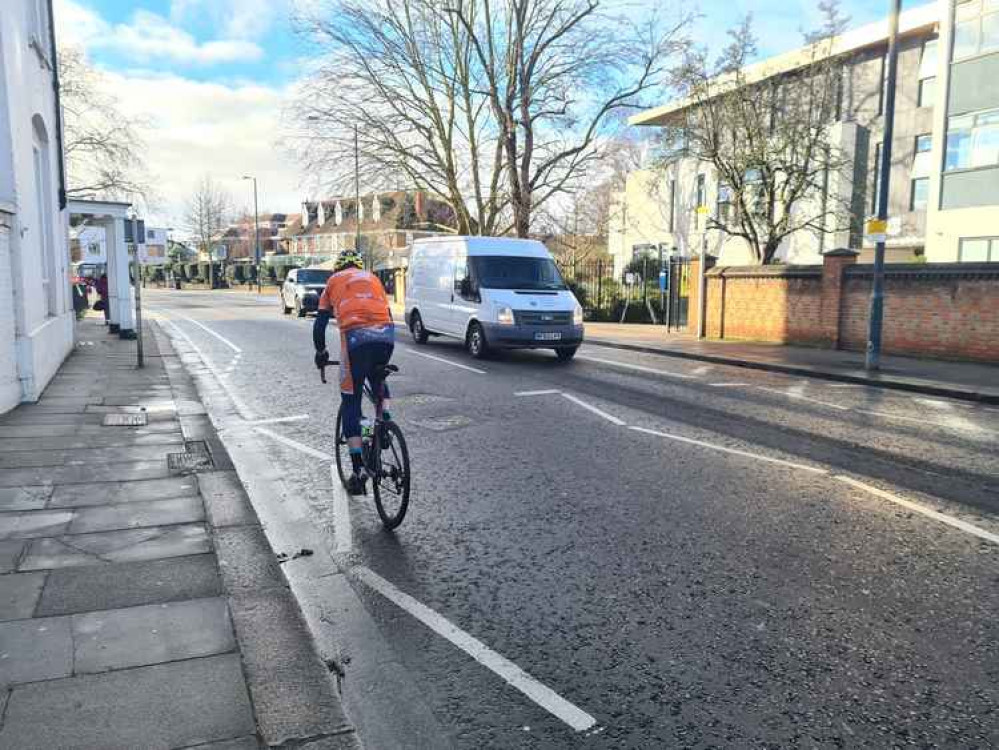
x: 367, y: 337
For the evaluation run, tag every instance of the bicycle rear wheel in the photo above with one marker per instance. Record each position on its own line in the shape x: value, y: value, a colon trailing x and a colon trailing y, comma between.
x: 343, y: 465
x: 391, y: 480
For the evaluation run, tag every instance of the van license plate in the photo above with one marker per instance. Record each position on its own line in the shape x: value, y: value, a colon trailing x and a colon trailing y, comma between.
x: 548, y: 336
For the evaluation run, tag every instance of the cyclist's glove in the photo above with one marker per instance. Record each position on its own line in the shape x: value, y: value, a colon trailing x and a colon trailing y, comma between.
x: 322, y: 359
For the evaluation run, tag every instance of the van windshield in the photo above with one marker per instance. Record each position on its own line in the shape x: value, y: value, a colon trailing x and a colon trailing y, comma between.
x: 514, y: 272
x: 313, y: 276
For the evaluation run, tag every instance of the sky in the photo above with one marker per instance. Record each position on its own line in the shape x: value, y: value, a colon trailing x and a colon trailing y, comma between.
x: 208, y: 80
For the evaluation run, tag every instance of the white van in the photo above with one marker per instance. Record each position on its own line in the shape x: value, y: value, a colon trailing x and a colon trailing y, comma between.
x: 492, y: 293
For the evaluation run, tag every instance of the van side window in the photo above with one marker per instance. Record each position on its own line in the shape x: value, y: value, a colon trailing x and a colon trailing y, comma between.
x: 464, y: 284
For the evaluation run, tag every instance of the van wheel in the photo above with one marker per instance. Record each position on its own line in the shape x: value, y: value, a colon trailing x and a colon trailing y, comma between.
x: 420, y: 335
x: 476, y: 342
x: 565, y: 353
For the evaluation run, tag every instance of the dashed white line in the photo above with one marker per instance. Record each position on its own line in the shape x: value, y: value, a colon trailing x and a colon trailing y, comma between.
x: 447, y: 362
x: 729, y: 385
x: 637, y: 368
x: 277, y: 420
x: 735, y: 451
x: 208, y: 330
x: 541, y: 694
x: 956, y: 523
x: 599, y: 412
x: 801, y: 397
x: 550, y: 392
x: 301, y: 447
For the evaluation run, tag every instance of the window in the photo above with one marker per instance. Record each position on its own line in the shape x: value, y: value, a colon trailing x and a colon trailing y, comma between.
x: 700, y: 199
x: 876, y: 189
x: 978, y: 250
x: 927, y: 73
x: 973, y: 140
x: 921, y: 159
x: 976, y: 28
x: 924, y: 143
x: 919, y: 194
x: 723, y: 208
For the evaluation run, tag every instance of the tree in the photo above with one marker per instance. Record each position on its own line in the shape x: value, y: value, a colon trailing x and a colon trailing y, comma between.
x: 767, y: 137
x: 493, y: 106
x: 103, y: 149
x: 207, y: 214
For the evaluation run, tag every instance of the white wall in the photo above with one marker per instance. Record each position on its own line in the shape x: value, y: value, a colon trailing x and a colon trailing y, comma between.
x: 34, y: 251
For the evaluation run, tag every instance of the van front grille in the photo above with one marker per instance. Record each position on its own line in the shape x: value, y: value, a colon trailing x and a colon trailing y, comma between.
x: 542, y: 318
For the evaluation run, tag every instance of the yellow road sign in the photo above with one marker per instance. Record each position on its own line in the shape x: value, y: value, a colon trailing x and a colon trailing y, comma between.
x: 876, y: 226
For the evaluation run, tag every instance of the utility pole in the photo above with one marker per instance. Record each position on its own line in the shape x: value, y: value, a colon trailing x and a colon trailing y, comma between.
x: 256, y: 229
x: 876, y: 316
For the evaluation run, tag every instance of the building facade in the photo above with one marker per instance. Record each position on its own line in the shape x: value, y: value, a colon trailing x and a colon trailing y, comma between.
x: 943, y: 202
x: 36, y: 310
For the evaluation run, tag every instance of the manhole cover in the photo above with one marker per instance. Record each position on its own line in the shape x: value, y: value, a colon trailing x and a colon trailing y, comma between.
x: 419, y: 399
x: 124, y: 420
x: 442, y: 424
x: 196, y: 458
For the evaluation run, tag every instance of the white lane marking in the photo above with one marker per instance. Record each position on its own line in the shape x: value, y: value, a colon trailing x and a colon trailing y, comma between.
x: 737, y: 452
x: 954, y: 421
x: 550, y: 392
x: 447, y: 362
x: 800, y: 396
x: 637, y: 368
x: 542, y: 695
x: 729, y: 385
x: 244, y: 411
x: 276, y: 420
x: 702, y: 370
x: 599, y: 412
x: 957, y: 523
x: 301, y: 447
x: 343, y: 532
x: 219, y: 336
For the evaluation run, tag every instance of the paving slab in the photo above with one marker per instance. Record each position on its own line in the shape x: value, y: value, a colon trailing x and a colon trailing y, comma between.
x: 180, y: 704
x: 293, y: 694
x: 24, y: 498
x: 49, y: 430
x: 19, y: 594
x: 34, y: 524
x: 243, y: 743
x: 33, y: 650
x: 225, y: 499
x: 101, y: 493
x: 106, y: 547
x: 152, y: 634
x: 137, y: 515
x: 80, y: 442
x: 82, y: 456
x: 80, y: 474
x: 10, y: 554
x: 70, y: 590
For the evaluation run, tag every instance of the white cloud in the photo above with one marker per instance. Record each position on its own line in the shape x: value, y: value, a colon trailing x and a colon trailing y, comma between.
x: 146, y: 37
x: 240, y: 19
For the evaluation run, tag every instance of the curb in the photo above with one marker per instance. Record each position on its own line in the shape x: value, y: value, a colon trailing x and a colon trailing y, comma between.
x: 897, y: 385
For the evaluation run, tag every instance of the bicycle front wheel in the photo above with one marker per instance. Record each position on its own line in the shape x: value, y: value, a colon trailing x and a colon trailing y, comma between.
x: 391, y: 480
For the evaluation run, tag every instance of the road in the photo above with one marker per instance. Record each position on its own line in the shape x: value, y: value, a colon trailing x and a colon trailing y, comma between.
x: 675, y: 554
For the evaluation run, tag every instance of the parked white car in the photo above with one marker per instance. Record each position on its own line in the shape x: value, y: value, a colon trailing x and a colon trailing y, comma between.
x: 301, y: 290
x: 492, y: 293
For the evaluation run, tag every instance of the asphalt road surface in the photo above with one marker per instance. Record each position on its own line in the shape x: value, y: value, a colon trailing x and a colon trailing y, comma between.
x: 674, y: 554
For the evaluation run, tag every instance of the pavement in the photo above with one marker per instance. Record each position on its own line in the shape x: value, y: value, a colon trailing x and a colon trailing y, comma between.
x: 140, y: 603
x: 624, y: 551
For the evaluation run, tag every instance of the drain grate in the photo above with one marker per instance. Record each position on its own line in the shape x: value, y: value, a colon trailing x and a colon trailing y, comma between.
x: 443, y: 424
x: 419, y: 399
x: 196, y: 457
x: 125, y: 420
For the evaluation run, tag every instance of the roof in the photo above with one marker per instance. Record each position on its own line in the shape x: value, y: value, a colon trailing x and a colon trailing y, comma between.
x: 478, y: 245
x: 910, y: 21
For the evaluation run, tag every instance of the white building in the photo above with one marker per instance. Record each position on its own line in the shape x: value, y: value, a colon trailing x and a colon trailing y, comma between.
x: 36, y: 309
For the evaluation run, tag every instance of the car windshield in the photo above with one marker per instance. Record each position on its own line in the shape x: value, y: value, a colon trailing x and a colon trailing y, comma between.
x: 313, y: 276
x: 512, y: 272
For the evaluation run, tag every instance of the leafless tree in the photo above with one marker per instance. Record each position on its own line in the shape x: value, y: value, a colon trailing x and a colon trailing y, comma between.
x: 104, y: 151
x: 494, y: 106
x: 207, y: 213
x: 769, y: 138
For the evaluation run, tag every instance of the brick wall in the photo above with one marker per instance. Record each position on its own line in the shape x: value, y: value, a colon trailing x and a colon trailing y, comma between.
x: 944, y: 310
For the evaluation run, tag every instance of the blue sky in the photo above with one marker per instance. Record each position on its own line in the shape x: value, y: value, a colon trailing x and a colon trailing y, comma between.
x: 206, y: 80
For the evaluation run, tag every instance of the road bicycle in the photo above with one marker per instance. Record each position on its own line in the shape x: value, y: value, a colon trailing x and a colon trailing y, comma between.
x: 385, y: 455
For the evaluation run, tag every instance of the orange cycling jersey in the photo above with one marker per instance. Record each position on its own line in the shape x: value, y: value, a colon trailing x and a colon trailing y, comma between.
x: 357, y: 299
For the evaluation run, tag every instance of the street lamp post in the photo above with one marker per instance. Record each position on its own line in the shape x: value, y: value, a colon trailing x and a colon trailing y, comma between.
x: 256, y: 229
x: 876, y: 316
